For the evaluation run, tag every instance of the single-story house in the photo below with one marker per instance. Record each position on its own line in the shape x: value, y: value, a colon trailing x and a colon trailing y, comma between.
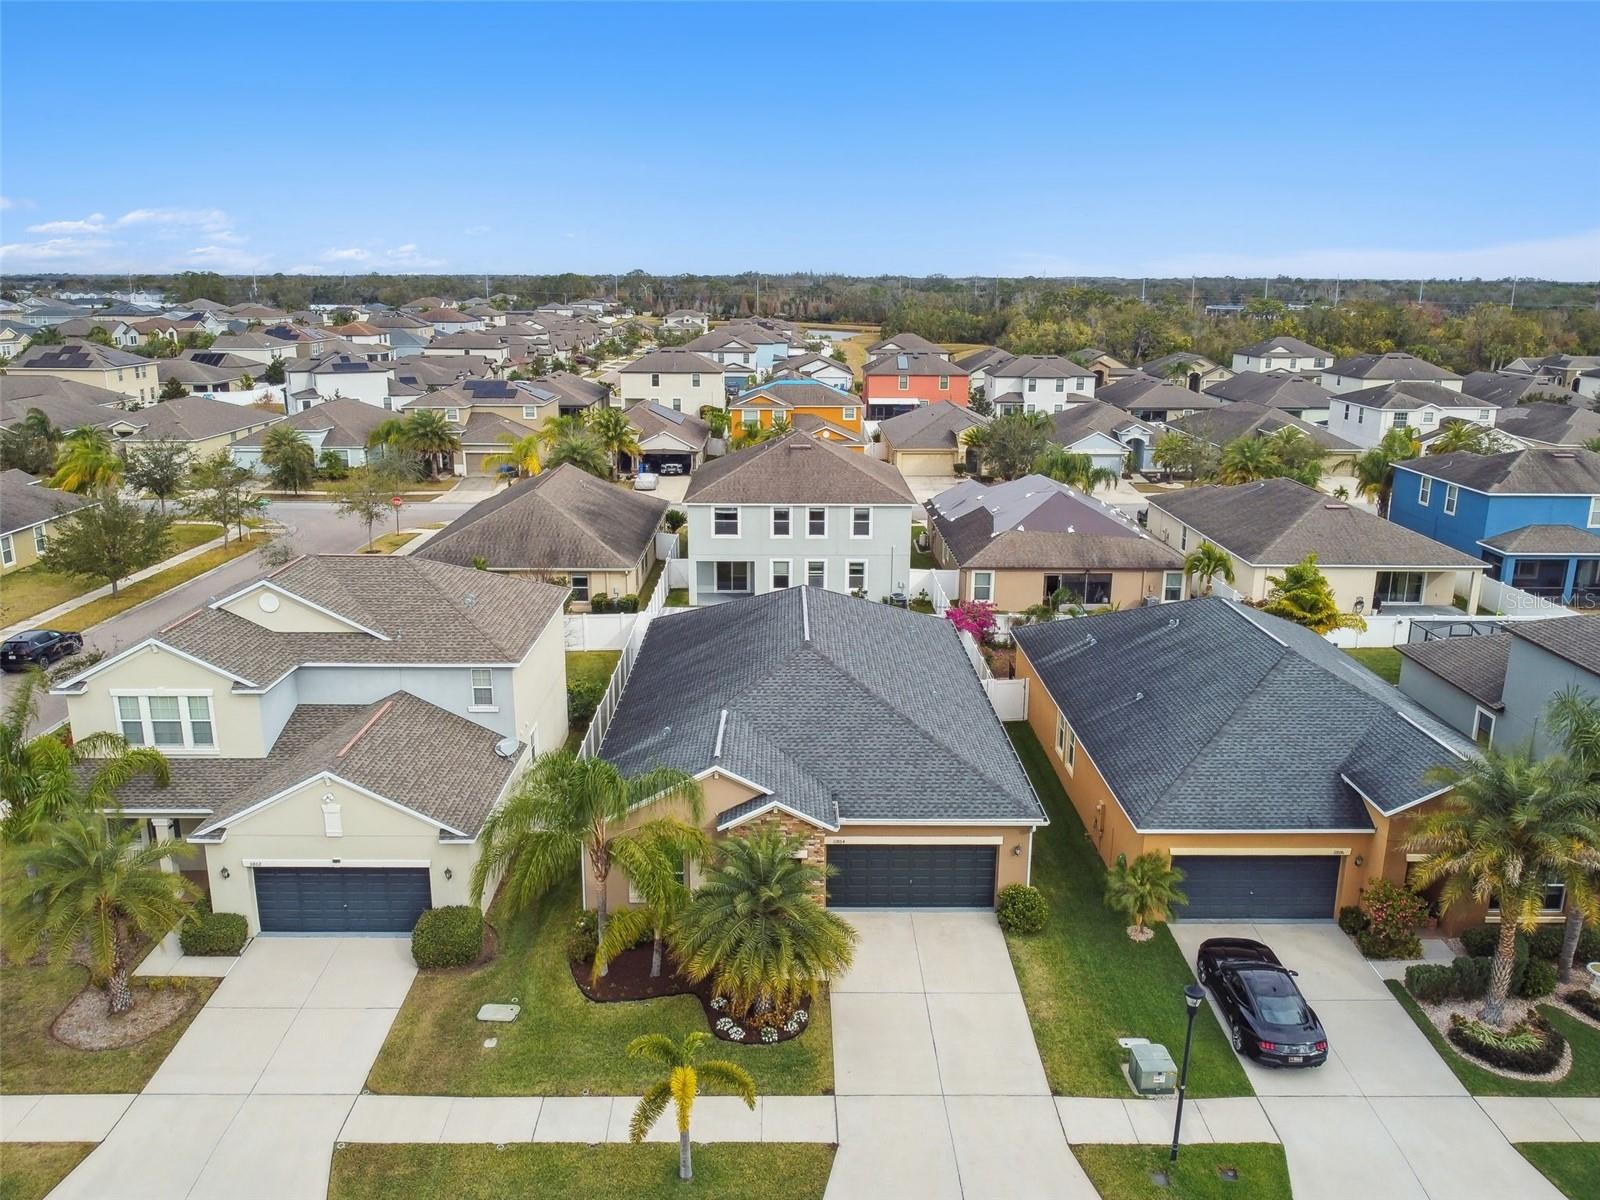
x: 667, y: 438
x: 1243, y: 419
x: 1150, y: 399
x: 339, y: 427
x: 928, y: 439
x: 28, y: 512
x: 859, y: 726
x: 1282, y: 390
x: 203, y: 424
x: 1548, y: 426
x: 1187, y: 369
x: 823, y: 368
x: 1107, y: 434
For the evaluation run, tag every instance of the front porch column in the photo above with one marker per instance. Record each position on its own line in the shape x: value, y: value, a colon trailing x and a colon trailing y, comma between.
x: 163, y: 833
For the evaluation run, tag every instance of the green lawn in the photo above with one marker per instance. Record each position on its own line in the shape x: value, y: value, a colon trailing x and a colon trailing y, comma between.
x: 921, y: 560
x: 1382, y: 661
x: 33, y: 1062
x: 560, y: 1171
x: 33, y: 589
x: 563, y: 1044
x: 648, y: 588
x: 86, y: 616
x: 588, y: 666
x: 678, y: 598
x: 1124, y: 1172
x: 1085, y: 984
x: 31, y: 1170
x: 1582, y: 1080
x: 388, y: 543
x: 1574, y: 1167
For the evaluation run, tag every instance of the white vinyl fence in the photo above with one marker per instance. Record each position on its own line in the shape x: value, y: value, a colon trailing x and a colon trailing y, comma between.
x: 611, y: 631
x: 1008, y: 697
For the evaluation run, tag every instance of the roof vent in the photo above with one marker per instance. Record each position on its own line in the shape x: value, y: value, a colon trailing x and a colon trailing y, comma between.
x: 1335, y: 505
x: 722, y: 725
x: 506, y: 747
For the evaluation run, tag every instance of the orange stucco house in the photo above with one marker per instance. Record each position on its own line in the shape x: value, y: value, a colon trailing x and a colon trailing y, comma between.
x: 897, y: 382
x: 823, y: 411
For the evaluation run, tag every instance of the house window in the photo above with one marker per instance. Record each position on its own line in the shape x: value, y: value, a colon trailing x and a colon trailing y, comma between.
x: 1483, y: 727
x: 1401, y: 420
x: 1033, y: 385
x: 40, y: 537
x: 1425, y: 491
x: 1172, y: 586
x: 166, y: 722
x: 1066, y: 743
x: 905, y: 383
x: 1321, y: 362
x: 860, y: 522
x: 694, y: 379
x: 482, y: 689
x: 780, y: 573
x: 1183, y: 537
x: 452, y: 414
x: 655, y: 379
x: 983, y: 585
x: 856, y: 576
x: 816, y: 572
x: 1553, y: 900
x: 1451, y: 492
x: 1078, y: 383
x: 849, y: 414
x: 1346, y: 412
x: 816, y: 522
x: 1361, y: 416
x: 944, y: 383
x: 1061, y: 385
x: 780, y: 522
x: 1483, y: 415
x: 580, y: 588
x: 677, y: 405
x: 725, y: 522
x: 1398, y: 587
x: 750, y: 417
x: 733, y: 577
x: 530, y: 412
x: 1594, y: 511
x: 1428, y: 416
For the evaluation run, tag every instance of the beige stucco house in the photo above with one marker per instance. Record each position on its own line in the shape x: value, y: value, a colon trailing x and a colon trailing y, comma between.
x: 130, y: 375
x: 28, y: 512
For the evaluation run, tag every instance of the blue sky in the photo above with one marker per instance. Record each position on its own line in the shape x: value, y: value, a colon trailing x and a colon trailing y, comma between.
x: 1360, y: 139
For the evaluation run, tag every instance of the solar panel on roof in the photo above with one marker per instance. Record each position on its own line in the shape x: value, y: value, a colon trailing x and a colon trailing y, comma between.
x: 901, y: 361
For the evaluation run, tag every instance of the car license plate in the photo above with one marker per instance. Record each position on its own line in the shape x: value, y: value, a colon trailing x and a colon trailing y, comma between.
x: 1297, y: 1058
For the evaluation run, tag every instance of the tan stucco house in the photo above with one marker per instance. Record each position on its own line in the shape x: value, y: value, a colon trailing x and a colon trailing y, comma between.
x: 860, y: 726
x: 929, y: 439
x: 130, y: 375
x: 337, y: 730
x: 28, y: 512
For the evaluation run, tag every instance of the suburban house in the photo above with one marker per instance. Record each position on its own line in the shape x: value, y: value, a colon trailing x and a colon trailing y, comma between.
x: 407, y: 334
x: 821, y: 367
x: 1506, y: 389
x: 1277, y: 389
x: 979, y: 363
x: 896, y: 383
x: 677, y: 379
x: 1372, y: 370
x: 337, y: 730
x: 1272, y: 524
x: 201, y: 423
x: 446, y: 321
x: 1243, y: 419
x: 772, y: 341
x: 561, y: 525
x: 239, y: 385
x: 130, y: 375
x: 858, y: 726
x: 362, y: 333
x: 797, y: 510
x: 485, y: 345
x: 1018, y: 544
x: 1047, y: 383
x: 1532, y: 515
x: 731, y: 352
x: 1548, y: 426
x: 1186, y: 369
x: 28, y: 512
x: 907, y: 343
x: 928, y: 440
x: 828, y: 412
x: 1107, y: 434
x: 1365, y: 416
x: 1497, y: 687
x: 14, y: 337
x: 1280, y: 354
x: 123, y: 336
x: 1106, y: 368
x: 1280, y: 775
x: 67, y: 405
x: 1150, y: 399
x: 339, y: 428
x: 666, y: 439
x: 685, y: 320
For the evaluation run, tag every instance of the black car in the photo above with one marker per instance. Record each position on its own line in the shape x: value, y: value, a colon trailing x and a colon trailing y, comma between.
x: 38, y: 648
x: 1267, y: 1017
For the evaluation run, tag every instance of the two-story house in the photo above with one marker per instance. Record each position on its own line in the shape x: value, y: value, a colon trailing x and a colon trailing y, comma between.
x: 407, y: 335
x: 1047, y: 383
x: 677, y: 379
x: 1187, y: 369
x: 798, y: 510
x: 827, y: 412
x: 897, y: 383
x: 907, y: 343
x: 1150, y: 399
x: 1532, y: 515
x: 131, y: 375
x: 338, y: 731
x: 821, y: 367
x: 980, y: 362
x: 728, y: 350
x: 1291, y: 394
x: 1364, y: 416
x: 1113, y: 440
x: 1281, y: 354
x: 1370, y: 370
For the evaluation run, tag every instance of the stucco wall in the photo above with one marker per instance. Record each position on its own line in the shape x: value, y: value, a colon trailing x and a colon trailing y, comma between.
x: 157, y: 671
x: 1015, y: 591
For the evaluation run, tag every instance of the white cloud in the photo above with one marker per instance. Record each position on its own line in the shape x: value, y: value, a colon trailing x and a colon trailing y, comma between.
x: 208, y: 219
x: 409, y: 256
x: 93, y: 223
x: 347, y: 254
x: 10, y: 203
x: 19, y: 255
x: 475, y: 230
x: 224, y: 258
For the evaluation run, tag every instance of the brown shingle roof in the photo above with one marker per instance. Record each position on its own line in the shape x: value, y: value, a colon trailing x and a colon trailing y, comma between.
x: 798, y: 469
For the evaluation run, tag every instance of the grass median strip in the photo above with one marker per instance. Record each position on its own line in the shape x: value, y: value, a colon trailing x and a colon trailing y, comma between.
x: 1574, y: 1167
x: 31, y: 1170
x: 1259, y: 1172
x: 33, y: 589
x: 86, y: 616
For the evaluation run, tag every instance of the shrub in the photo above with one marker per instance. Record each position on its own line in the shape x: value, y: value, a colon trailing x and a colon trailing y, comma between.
x: 1531, y: 1046
x: 1432, y: 983
x: 1394, y: 914
x: 68, y: 667
x: 1539, y: 979
x: 583, y: 697
x: 1375, y: 943
x: 451, y: 936
x: 676, y: 519
x: 1472, y: 977
x: 1480, y: 942
x: 1545, y: 942
x: 1584, y: 1001
x: 213, y: 933
x: 600, y: 602
x: 628, y: 603
x: 583, y: 939
x: 1022, y: 909
x: 1352, y: 920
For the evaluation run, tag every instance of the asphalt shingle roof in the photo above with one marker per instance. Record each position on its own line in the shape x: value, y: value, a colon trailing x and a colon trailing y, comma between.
x: 912, y: 364
x: 347, y: 421
x: 797, y: 468
x: 77, y: 356
x: 1546, y: 539
x: 1275, y: 389
x: 25, y: 502
x: 1394, y: 365
x: 195, y: 418
x: 1550, y: 424
x: 1575, y: 638
x: 1410, y: 394
x: 1502, y: 389
x: 936, y: 426
x: 672, y: 362
x: 905, y: 343
x: 1475, y: 665
x: 1210, y: 716
x: 1239, y: 419
x: 1038, y: 366
x: 843, y: 708
x: 1139, y: 392
x: 1536, y: 471
x: 1282, y: 345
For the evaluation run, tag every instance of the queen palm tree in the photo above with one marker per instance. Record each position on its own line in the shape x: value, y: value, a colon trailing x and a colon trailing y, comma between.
x: 1247, y: 459
x: 429, y: 435
x: 30, y: 444
x: 1302, y: 594
x: 1374, y: 470
x: 755, y: 928
x: 1463, y: 437
x: 40, y: 775
x: 616, y: 433
x: 1205, y: 562
x: 288, y: 457
x: 85, y: 883
x: 1575, y: 718
x: 1298, y: 456
x: 389, y: 433
x: 1145, y: 890
x: 582, y: 450
x: 565, y: 809
x: 521, y: 454
x: 656, y: 863
x: 682, y: 1085
x: 1508, y: 824
x: 86, y: 461
x: 1077, y: 470
x: 562, y: 426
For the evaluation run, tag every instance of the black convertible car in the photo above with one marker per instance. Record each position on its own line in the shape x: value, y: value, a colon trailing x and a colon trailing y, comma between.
x: 1267, y: 1017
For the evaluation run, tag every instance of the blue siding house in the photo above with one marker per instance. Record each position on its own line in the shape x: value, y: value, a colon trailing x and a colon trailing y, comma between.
x: 1532, y: 515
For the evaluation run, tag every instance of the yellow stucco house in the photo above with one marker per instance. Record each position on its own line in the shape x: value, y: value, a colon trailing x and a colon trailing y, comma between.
x: 825, y: 412
x: 29, y: 510
x: 131, y: 375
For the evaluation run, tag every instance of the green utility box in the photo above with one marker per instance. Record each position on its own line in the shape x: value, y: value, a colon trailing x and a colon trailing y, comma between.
x: 1151, y: 1069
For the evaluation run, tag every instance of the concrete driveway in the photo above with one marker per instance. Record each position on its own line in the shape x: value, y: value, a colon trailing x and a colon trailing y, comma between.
x: 941, y: 1094
x: 251, y: 1099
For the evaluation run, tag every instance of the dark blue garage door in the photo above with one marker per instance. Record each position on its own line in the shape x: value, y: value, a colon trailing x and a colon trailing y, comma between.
x: 912, y: 876
x: 341, y: 899
x: 1226, y: 887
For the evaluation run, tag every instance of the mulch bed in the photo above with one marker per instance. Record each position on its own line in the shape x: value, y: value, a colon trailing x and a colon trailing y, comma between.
x: 628, y: 978
x: 86, y: 1022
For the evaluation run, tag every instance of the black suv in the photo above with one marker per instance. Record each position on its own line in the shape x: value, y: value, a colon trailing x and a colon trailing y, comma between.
x: 38, y: 648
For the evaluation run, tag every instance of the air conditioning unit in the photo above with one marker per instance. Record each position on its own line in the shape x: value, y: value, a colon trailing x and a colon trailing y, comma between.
x: 1151, y: 1069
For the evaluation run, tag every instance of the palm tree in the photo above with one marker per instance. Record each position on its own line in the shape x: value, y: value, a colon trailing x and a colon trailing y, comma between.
x: 1509, y: 823
x: 86, y: 461
x: 582, y: 450
x: 1205, y: 562
x: 562, y: 426
x: 1077, y: 470
x: 1302, y: 594
x: 1463, y: 437
x: 1144, y: 891
x: 1575, y: 718
x: 1247, y: 459
x: 389, y: 433
x: 616, y: 434
x: 754, y: 435
x: 755, y: 927
x: 40, y: 775
x: 429, y: 435
x: 716, y: 420
x: 30, y: 444
x: 1298, y: 456
x: 657, y: 864
x: 288, y: 457
x: 681, y: 1086
x: 85, y: 883
x: 566, y: 808
x: 521, y: 454
x: 1374, y: 470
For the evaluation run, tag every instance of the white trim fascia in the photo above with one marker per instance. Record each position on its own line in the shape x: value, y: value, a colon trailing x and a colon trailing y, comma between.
x: 152, y: 810
x: 1536, y: 554
x: 1007, y: 822
x: 336, y: 863
x: 256, y: 690
x: 726, y: 774
x: 61, y: 688
x: 234, y: 819
x: 296, y: 596
x: 1409, y: 804
x: 1254, y: 833
x: 976, y: 840
x: 768, y: 807
x: 1428, y: 733
x: 1268, y: 851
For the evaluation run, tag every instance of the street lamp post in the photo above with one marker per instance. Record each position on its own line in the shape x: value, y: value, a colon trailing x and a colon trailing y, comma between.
x: 1193, y: 997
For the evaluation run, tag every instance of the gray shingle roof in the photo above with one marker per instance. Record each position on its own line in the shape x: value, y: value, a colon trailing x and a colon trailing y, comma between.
x: 843, y: 708
x: 936, y: 426
x: 1394, y: 365
x: 1576, y: 639
x: 797, y: 469
x: 1475, y: 665
x: 25, y: 502
x: 1221, y: 426
x: 564, y: 519
x: 1502, y: 389
x: 1550, y: 424
x: 672, y: 362
x: 1077, y: 422
x: 1542, y: 472
x: 1039, y: 366
x: 195, y: 418
x: 77, y: 356
x: 1140, y: 392
x: 908, y: 343
x: 1545, y: 539
x: 912, y: 364
x: 1410, y: 394
x: 1282, y: 345
x: 1207, y: 715
x: 1275, y: 389
x: 1276, y: 522
x: 68, y: 404
x: 985, y: 357
x: 800, y: 393
x: 347, y: 421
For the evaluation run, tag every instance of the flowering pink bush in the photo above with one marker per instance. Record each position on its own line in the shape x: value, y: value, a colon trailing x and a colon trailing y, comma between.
x: 1395, y: 913
x: 973, y: 616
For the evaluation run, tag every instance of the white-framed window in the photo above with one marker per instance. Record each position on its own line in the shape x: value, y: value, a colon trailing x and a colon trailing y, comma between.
x: 482, y: 689
x: 530, y: 412
x: 1183, y: 537
x: 1401, y: 420
x: 1594, y: 511
x: 860, y: 522
x: 1428, y: 416
x: 677, y: 404
x: 452, y: 414
x: 8, y: 550
x: 750, y: 417
x: 1078, y: 383
x: 905, y: 383
x: 1482, y: 726
x: 816, y: 522
x: 1061, y: 385
x: 944, y: 383
x: 655, y: 379
x: 983, y: 585
x: 816, y: 572
x: 580, y: 587
x: 733, y: 577
x: 40, y: 539
x: 1033, y: 385
x: 781, y: 568
x: 1066, y: 743
x: 782, y: 522
x: 849, y: 414
x: 1172, y: 586
x: 1451, y: 494
x: 855, y: 576
x: 1425, y: 491
x: 694, y: 379
x: 171, y: 723
x: 1483, y: 415
x: 724, y: 522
